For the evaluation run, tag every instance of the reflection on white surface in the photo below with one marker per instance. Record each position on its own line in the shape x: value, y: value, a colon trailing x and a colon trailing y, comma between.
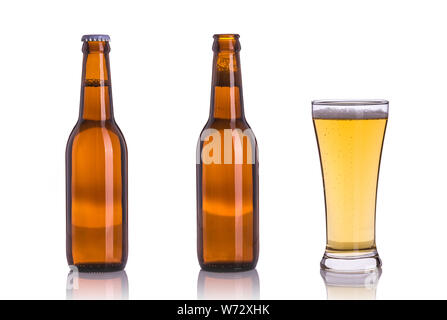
x: 101, y: 286
x: 351, y: 286
x: 234, y: 285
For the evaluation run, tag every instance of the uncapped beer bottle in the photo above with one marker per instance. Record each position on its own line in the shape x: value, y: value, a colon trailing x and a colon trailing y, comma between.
x: 96, y: 170
x: 227, y: 170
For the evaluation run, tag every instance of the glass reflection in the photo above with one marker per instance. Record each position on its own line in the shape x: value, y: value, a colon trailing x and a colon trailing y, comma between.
x: 351, y: 286
x: 102, y: 286
x: 234, y: 285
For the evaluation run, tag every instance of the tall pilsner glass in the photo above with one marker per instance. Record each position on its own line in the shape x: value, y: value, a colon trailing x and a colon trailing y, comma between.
x: 350, y: 137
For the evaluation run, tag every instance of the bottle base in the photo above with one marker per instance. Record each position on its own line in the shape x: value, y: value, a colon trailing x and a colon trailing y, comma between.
x: 99, y: 267
x: 351, y: 262
x: 227, y: 267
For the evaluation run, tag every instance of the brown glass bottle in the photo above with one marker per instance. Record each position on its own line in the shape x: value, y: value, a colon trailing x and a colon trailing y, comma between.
x: 227, y: 171
x: 96, y: 171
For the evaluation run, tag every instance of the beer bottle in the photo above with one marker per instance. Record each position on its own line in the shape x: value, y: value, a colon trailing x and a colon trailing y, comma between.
x: 96, y: 171
x: 227, y: 170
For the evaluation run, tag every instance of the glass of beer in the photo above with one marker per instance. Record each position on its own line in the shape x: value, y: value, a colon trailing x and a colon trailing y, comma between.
x: 350, y: 138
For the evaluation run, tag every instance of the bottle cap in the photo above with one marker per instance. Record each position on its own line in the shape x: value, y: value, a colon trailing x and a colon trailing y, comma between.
x: 95, y: 37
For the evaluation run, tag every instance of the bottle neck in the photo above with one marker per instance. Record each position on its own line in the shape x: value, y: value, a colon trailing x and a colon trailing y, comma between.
x: 96, y: 89
x: 226, y: 90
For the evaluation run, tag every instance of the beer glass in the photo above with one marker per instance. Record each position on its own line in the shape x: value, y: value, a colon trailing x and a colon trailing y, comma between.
x: 350, y: 137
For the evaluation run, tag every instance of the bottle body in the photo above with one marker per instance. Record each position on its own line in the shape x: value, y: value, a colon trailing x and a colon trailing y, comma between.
x: 228, y: 201
x: 96, y: 161
x: 227, y: 174
x: 96, y: 177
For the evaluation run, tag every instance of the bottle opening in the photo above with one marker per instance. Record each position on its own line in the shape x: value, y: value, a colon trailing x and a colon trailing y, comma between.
x: 96, y: 43
x: 226, y: 42
x: 226, y: 36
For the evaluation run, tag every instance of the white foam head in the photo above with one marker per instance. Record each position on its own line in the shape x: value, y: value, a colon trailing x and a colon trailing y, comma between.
x: 350, y: 109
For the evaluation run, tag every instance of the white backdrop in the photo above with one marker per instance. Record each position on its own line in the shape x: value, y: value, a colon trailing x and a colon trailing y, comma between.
x: 292, y: 52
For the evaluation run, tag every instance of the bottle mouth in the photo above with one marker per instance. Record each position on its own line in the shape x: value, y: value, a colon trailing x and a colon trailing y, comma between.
x: 226, y: 36
x: 226, y: 42
x: 96, y: 46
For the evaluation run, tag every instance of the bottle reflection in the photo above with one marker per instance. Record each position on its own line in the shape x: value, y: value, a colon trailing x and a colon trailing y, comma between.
x: 98, y: 286
x: 234, y: 285
x: 351, y: 286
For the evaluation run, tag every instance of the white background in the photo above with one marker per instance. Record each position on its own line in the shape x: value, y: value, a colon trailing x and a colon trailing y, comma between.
x: 292, y: 52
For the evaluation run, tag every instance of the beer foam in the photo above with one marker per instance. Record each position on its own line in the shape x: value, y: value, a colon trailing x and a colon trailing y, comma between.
x: 348, y: 113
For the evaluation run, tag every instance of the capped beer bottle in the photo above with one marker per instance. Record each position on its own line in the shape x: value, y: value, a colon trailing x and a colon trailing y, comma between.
x: 96, y: 170
x: 227, y: 171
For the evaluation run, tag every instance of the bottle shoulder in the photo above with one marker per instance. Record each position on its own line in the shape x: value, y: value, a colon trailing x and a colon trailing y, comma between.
x: 98, y: 126
x: 224, y: 128
x: 223, y: 125
x: 86, y: 131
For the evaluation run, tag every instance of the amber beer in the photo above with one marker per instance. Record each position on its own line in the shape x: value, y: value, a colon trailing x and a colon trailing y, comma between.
x: 227, y: 170
x: 350, y: 136
x: 96, y: 170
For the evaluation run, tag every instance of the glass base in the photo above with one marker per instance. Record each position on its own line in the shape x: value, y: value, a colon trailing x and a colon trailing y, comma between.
x: 351, y: 262
x: 351, y: 285
x: 368, y: 279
